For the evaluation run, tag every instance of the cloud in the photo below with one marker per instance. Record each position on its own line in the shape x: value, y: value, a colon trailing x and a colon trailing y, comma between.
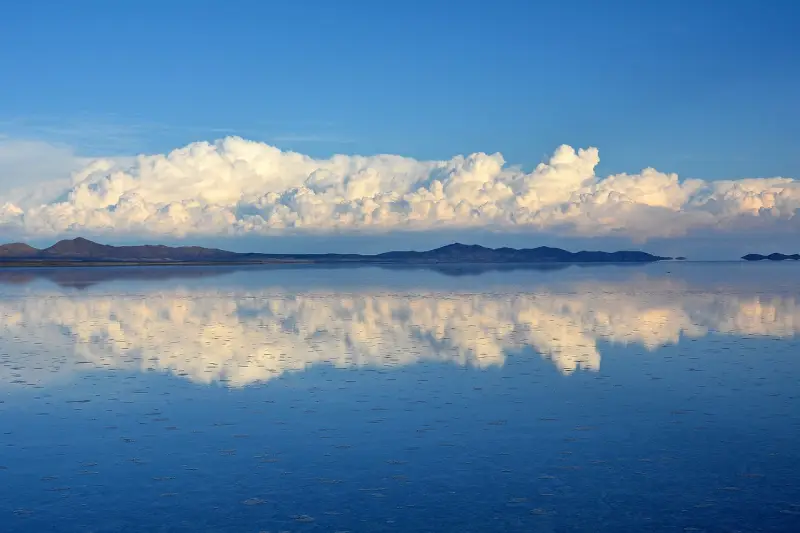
x: 35, y: 172
x: 245, y: 336
x: 239, y: 187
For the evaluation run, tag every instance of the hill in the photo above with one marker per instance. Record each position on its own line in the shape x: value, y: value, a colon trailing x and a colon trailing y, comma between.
x: 81, y: 248
x: 466, y: 253
x: 17, y: 249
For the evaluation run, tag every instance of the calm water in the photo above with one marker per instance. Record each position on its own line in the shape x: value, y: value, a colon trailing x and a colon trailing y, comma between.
x: 613, y: 399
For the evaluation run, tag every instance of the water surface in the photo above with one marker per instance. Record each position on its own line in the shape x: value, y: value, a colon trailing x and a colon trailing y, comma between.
x: 639, y: 398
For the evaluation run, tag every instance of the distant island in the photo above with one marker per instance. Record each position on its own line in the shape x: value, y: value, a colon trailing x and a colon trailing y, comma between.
x: 80, y: 251
x: 771, y: 257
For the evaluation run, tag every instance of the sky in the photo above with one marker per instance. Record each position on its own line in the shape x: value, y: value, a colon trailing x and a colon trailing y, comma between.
x: 240, y: 108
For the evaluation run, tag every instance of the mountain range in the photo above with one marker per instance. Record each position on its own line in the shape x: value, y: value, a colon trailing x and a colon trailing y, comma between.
x: 82, y: 250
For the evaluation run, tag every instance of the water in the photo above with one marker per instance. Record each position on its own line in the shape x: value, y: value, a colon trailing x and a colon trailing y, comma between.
x: 641, y: 398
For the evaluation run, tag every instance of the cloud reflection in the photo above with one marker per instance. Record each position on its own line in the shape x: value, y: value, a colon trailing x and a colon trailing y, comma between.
x: 242, y: 337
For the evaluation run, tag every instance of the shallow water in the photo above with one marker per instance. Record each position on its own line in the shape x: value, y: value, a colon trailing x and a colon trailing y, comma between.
x: 641, y: 398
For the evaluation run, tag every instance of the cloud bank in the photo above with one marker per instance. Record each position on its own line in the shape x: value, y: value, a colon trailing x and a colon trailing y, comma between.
x: 250, y: 336
x: 239, y: 187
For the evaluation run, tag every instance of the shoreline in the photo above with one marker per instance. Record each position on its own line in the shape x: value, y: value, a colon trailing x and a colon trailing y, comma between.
x: 100, y: 264
x: 344, y: 263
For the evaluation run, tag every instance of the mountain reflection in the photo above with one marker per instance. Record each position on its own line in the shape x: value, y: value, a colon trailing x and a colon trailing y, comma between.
x: 241, y: 337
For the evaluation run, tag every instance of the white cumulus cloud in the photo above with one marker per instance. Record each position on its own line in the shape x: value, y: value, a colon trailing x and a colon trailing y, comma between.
x: 239, y: 187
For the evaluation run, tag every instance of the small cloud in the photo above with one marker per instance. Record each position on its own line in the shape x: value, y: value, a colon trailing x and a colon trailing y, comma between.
x: 35, y: 172
x: 85, y: 134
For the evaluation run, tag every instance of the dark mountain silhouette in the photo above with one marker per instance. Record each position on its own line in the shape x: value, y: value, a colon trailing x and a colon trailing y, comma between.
x: 17, y: 249
x: 82, y: 250
x: 771, y: 257
x: 474, y: 253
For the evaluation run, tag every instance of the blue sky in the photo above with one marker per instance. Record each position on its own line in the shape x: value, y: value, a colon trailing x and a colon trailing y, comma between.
x: 706, y: 89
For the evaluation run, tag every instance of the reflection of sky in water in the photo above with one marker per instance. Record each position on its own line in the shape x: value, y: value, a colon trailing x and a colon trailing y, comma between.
x: 245, y: 336
x: 568, y: 402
